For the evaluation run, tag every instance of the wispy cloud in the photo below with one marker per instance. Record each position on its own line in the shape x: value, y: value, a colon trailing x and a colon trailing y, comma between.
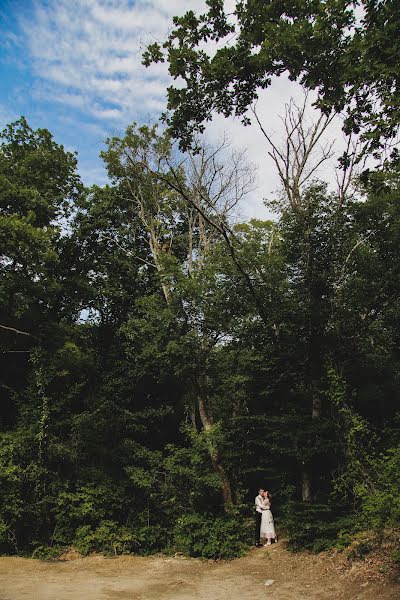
x: 6, y: 116
x: 87, y: 54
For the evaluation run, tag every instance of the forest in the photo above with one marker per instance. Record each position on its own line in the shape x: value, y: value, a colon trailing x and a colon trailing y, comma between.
x: 161, y: 358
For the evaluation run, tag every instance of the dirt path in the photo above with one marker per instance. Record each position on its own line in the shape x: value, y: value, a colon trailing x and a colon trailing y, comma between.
x: 295, y: 577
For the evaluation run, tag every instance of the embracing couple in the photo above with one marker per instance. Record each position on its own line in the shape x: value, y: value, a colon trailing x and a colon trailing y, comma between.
x: 265, y: 528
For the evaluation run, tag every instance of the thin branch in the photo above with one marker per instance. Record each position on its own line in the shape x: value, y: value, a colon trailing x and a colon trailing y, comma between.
x: 18, y: 331
x: 360, y: 241
x: 295, y: 163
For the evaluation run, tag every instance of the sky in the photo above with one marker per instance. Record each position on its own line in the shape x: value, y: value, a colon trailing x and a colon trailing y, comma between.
x: 74, y: 67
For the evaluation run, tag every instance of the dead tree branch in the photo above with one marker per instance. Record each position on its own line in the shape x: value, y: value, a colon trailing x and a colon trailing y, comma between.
x: 303, y: 152
x: 17, y: 331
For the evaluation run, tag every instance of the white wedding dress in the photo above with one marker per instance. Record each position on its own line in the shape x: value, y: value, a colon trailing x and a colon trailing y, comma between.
x: 267, y: 530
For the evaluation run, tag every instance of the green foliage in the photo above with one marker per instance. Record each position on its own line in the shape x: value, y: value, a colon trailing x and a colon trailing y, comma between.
x: 207, y: 536
x: 357, y: 70
x: 313, y: 526
x: 380, y: 506
x: 40, y: 176
x: 3, y: 532
x: 148, y: 380
x: 109, y: 538
x: 396, y: 557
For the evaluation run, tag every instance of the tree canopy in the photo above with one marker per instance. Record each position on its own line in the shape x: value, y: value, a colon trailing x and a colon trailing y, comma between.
x: 156, y: 353
x: 346, y: 50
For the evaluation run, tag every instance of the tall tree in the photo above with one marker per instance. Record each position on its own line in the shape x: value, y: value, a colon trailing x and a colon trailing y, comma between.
x: 39, y: 185
x: 184, y: 205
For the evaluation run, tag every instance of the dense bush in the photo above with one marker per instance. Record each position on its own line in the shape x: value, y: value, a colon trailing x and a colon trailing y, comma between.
x: 380, y: 504
x: 109, y: 538
x: 313, y: 526
x: 211, y: 537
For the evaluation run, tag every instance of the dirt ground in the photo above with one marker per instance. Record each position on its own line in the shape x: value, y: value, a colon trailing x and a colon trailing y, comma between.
x: 267, y: 573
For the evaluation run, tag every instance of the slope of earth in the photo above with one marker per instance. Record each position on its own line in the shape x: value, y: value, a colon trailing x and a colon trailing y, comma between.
x: 268, y: 573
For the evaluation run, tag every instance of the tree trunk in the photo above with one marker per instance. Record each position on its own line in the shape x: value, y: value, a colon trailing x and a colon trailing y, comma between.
x: 225, y: 483
x: 316, y: 406
x: 156, y: 252
x: 305, y: 485
x: 207, y: 422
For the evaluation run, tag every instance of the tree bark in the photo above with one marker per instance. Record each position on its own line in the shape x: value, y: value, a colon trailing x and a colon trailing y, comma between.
x: 215, y: 456
x: 305, y: 485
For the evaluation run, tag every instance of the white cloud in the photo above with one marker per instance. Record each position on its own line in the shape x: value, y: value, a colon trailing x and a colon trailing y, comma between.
x: 86, y: 55
x: 93, y: 174
x: 91, y: 49
x: 107, y: 113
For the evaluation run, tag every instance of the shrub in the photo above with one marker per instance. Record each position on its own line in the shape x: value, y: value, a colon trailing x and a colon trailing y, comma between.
x: 205, y: 536
x: 396, y: 557
x: 312, y: 526
x: 361, y: 545
x: 47, y: 552
x: 150, y: 539
x: 380, y: 506
x: 109, y: 538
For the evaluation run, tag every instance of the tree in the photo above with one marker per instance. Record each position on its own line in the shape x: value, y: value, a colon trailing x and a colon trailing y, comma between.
x: 352, y: 64
x: 184, y: 205
x: 304, y: 148
x: 39, y: 184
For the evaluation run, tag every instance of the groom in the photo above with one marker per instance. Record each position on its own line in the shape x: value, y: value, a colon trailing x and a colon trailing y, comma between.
x: 259, y: 508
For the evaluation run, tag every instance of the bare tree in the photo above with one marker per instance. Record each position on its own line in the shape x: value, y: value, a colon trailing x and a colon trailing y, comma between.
x: 218, y: 179
x: 138, y: 159
x: 217, y: 188
x: 305, y: 149
x: 298, y: 159
x: 349, y: 161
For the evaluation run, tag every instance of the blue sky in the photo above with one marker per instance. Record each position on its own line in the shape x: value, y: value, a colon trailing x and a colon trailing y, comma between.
x: 74, y: 67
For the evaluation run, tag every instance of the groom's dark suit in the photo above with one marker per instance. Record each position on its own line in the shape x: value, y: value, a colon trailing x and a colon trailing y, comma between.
x: 259, y: 508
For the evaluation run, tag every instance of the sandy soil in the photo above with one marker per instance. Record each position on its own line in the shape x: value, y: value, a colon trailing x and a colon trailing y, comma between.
x: 295, y: 577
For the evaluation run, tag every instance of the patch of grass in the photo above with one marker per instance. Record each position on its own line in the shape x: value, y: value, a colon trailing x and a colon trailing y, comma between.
x: 395, y: 556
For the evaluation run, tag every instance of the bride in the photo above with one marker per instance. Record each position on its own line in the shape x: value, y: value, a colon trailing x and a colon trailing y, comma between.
x: 267, y: 521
